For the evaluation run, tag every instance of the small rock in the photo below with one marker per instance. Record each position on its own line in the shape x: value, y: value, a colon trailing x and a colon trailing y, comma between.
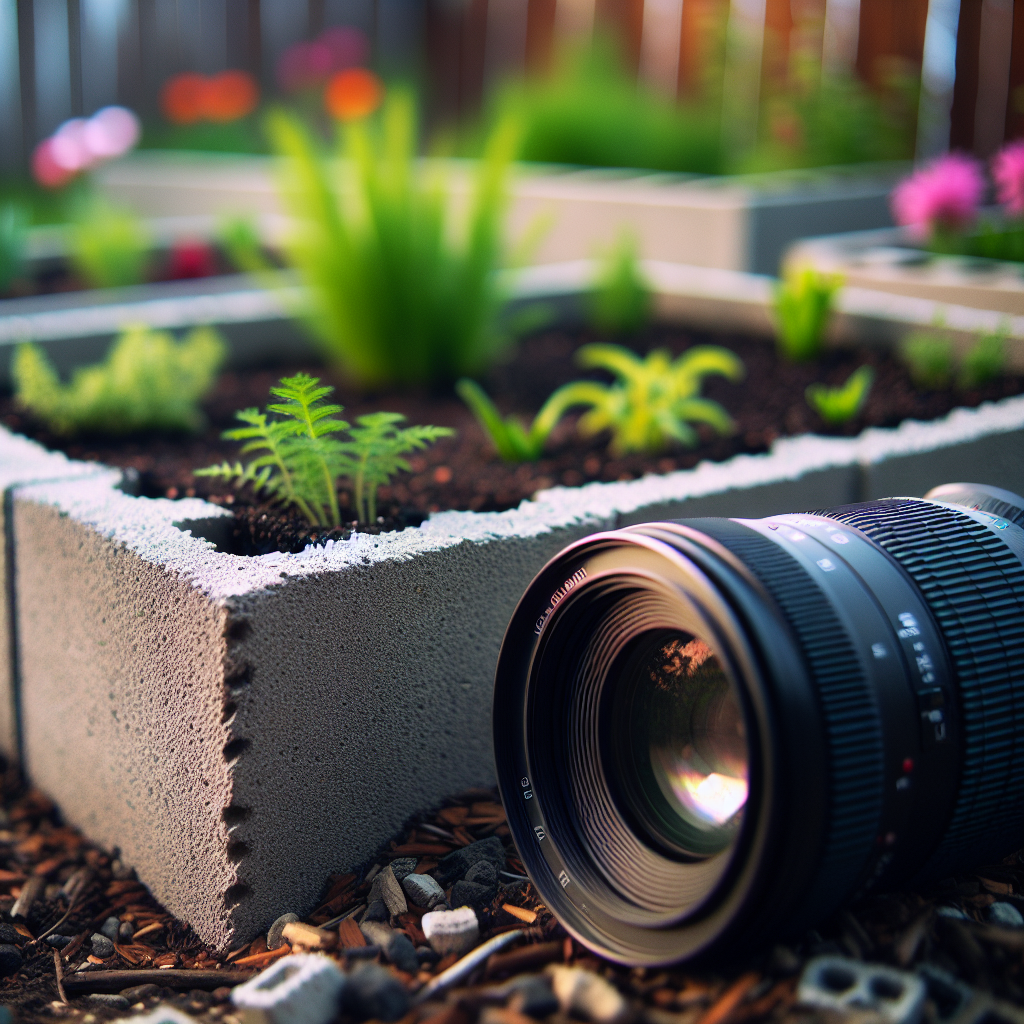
x: 126, y: 932
x: 587, y: 995
x: 10, y: 959
x: 386, y: 887
x: 483, y: 872
x: 402, y: 953
x: 109, y: 1001
x: 403, y: 866
x: 1006, y: 915
x: 458, y: 862
x: 423, y: 891
x: 222, y: 994
x: 953, y: 912
x: 10, y: 935
x: 377, y: 933
x: 274, y: 937
x: 121, y: 871
x: 101, y: 946
x: 469, y: 894
x: 376, y: 911
x: 532, y: 996
x: 426, y: 956
x: 110, y: 928
x: 451, y: 931
x: 137, y: 993
x: 58, y: 941
x: 373, y: 992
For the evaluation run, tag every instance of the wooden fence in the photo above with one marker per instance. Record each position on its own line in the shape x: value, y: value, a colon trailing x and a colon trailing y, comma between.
x: 62, y: 58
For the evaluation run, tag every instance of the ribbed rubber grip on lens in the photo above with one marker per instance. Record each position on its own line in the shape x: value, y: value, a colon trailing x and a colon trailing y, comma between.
x: 852, y: 724
x: 974, y: 585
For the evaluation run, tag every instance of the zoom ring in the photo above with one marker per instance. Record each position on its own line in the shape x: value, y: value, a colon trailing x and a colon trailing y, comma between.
x: 974, y: 585
x: 852, y: 724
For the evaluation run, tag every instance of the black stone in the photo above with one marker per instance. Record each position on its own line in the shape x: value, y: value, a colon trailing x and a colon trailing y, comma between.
x: 469, y: 894
x: 484, y: 873
x: 403, y: 866
x: 377, y: 911
x: 137, y: 993
x: 534, y: 998
x: 402, y: 953
x: 373, y: 992
x: 457, y: 863
x: 10, y: 935
x: 10, y: 959
x: 58, y: 941
x: 108, y: 1000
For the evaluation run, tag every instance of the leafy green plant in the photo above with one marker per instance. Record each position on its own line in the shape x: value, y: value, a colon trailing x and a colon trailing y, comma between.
x: 985, y: 359
x: 13, y: 227
x: 514, y: 441
x: 621, y: 300
x: 108, y: 247
x: 240, y: 240
x: 803, y: 303
x: 304, y: 455
x: 147, y: 382
x: 398, y: 295
x: 841, y: 404
x: 929, y: 357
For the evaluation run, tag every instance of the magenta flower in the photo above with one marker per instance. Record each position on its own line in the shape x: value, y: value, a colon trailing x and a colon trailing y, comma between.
x: 944, y: 195
x: 1008, y: 172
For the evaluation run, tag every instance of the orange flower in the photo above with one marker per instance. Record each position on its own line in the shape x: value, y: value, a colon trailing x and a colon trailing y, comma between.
x: 183, y: 98
x: 230, y: 95
x: 353, y: 94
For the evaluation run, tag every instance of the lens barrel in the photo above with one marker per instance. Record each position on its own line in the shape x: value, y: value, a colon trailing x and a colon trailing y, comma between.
x: 711, y: 732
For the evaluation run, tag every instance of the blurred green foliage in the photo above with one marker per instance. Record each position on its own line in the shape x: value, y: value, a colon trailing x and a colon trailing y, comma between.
x: 109, y: 247
x: 14, y: 219
x: 840, y: 405
x: 985, y: 360
x: 620, y: 302
x: 147, y: 382
x: 401, y: 291
x: 929, y: 358
x: 803, y: 304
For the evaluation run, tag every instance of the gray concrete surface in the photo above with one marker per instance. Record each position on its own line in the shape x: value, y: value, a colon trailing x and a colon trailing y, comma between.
x: 240, y: 727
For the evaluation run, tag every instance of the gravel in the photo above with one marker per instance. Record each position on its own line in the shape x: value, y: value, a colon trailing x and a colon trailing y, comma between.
x: 457, y: 863
x: 274, y: 939
x: 10, y: 959
x: 469, y: 894
x: 373, y: 993
x: 101, y: 946
x: 1006, y: 915
x: 423, y: 891
x: 110, y: 928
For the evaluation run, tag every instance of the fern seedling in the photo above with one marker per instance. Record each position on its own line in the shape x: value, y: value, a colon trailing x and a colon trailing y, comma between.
x: 929, y: 358
x: 985, y: 359
x: 841, y: 404
x: 621, y: 299
x: 803, y: 303
x: 375, y: 453
x: 513, y: 441
x: 654, y: 400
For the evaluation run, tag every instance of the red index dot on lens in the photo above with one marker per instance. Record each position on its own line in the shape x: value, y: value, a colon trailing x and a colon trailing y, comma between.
x: 908, y: 765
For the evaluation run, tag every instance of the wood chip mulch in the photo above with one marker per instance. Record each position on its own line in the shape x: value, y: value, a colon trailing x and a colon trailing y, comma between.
x: 53, y: 881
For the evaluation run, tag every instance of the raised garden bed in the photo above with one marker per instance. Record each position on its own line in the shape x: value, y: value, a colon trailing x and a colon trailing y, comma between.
x: 242, y: 725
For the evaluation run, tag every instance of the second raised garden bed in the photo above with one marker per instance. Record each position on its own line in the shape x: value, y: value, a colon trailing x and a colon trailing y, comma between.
x: 241, y: 724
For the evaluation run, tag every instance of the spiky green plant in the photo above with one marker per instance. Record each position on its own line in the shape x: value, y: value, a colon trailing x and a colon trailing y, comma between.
x: 621, y: 300
x: 147, y: 382
x: 841, y: 404
x: 398, y: 295
x: 929, y: 358
x: 803, y: 303
x: 303, y: 456
x: 13, y: 228
x: 108, y: 247
x: 985, y: 360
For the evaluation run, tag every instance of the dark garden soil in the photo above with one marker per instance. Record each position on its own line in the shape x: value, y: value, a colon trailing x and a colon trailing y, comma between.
x: 464, y: 472
x: 81, y: 891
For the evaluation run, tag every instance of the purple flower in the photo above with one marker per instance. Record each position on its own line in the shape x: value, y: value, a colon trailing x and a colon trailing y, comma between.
x: 944, y: 195
x: 1008, y: 172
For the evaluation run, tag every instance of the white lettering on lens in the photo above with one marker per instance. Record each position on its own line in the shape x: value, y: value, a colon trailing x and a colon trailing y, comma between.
x: 878, y: 650
x: 539, y: 833
x: 909, y: 626
x: 563, y: 878
x: 573, y: 581
x: 524, y: 782
x: 839, y: 538
x: 527, y: 794
x: 826, y: 564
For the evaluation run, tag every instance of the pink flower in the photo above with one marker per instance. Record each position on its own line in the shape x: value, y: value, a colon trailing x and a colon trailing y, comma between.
x: 1008, y: 172
x: 943, y: 195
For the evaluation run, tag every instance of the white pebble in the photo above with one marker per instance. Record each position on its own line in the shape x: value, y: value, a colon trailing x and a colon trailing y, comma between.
x: 587, y: 994
x: 451, y: 931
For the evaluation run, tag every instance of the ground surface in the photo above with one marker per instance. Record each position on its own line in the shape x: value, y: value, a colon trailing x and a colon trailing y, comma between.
x: 163, y: 962
x: 465, y: 473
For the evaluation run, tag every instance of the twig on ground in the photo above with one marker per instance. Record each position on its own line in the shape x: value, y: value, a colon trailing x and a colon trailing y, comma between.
x: 58, y: 967
x: 115, y: 981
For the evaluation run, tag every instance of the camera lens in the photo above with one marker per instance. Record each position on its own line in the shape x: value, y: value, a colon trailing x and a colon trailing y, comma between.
x: 712, y: 732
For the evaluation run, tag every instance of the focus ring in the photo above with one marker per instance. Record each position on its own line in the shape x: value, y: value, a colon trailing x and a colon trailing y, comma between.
x: 974, y: 585
x: 852, y: 724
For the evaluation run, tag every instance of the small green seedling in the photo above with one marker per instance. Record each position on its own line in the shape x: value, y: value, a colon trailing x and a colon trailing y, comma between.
x: 240, y: 241
x: 654, y: 400
x: 513, y: 441
x: 985, y: 359
x: 147, y: 382
x: 929, y: 358
x: 13, y: 229
x: 108, y: 247
x: 841, y: 404
x: 621, y: 300
x: 303, y: 455
x: 803, y: 303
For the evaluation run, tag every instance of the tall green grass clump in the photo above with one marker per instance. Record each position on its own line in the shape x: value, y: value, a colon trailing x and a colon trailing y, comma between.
x: 147, y: 382
x: 13, y: 229
x: 803, y: 303
x: 108, y: 247
x: 620, y: 302
x: 400, y: 293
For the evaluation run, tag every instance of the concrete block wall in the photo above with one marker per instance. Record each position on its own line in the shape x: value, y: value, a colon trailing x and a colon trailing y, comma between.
x: 240, y: 727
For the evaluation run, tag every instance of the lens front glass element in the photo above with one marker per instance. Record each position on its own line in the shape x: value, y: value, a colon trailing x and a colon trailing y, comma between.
x: 679, y: 745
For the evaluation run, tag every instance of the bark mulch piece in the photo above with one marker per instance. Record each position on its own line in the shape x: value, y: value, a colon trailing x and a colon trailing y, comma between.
x: 902, y: 929
x: 463, y: 472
